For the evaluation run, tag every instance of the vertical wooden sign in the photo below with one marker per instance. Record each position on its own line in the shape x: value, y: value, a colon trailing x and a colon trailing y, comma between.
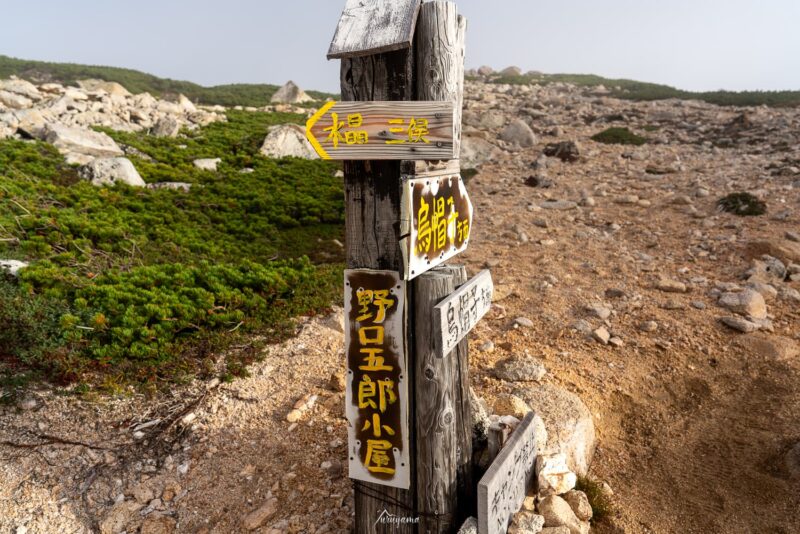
x: 377, y: 381
x: 507, y: 481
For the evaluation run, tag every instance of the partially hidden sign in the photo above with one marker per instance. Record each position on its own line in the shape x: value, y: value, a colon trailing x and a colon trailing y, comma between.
x: 383, y: 131
x: 458, y: 314
x: 506, y: 483
x: 376, y: 401
x: 437, y: 217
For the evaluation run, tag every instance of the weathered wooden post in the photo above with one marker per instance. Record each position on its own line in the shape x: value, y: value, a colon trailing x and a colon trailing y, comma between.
x: 407, y: 212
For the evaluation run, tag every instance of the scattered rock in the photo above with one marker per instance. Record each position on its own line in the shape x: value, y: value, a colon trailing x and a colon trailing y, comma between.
x: 475, y: 151
x: 748, y: 303
x: 784, y: 250
x: 74, y: 140
x: 523, y: 322
x: 174, y: 186
x: 554, y: 477
x: 671, y: 286
x: 558, y: 205
x: 287, y: 140
x: 526, y: 523
x: 557, y: 513
x: 209, y: 164
x: 12, y: 267
x: 569, y: 424
x: 111, y: 171
x: 771, y: 347
x: 579, y: 503
x: 515, y: 369
x: 598, y: 310
x: 648, y: 326
x: 118, y: 517
x: 112, y: 88
x: 166, y: 127
x: 518, y: 134
x: 158, y: 524
x: 470, y: 526
x: 258, y: 517
x: 740, y: 324
x: 602, y: 335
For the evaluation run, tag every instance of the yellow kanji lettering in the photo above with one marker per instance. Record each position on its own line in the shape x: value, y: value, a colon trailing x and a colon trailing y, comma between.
x: 377, y: 428
x: 374, y: 361
x: 378, y: 460
x: 335, y: 130
x: 423, y: 228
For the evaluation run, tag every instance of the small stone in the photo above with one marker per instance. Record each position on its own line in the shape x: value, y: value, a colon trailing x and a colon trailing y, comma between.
x: 158, y: 524
x: 699, y: 304
x: 183, y: 468
x: 526, y: 523
x: 765, y: 290
x: 614, y: 293
x: 258, y: 517
x: 582, y: 326
x: 171, y: 490
x: 209, y: 164
x: 516, y: 369
x: 559, y: 205
x: 12, y: 267
x: 557, y: 513
x: 748, y: 302
x: 337, y: 381
x: 793, y: 236
x: 294, y: 416
x: 22, y: 529
x: 579, y: 503
x: 740, y: 324
x: 523, y: 322
x: 598, y: 310
x: 554, y: 476
x: 28, y: 403
x: 470, y: 526
x: 671, y: 286
x: 616, y: 342
x: 487, y: 346
x: 143, y: 493
x: 602, y: 335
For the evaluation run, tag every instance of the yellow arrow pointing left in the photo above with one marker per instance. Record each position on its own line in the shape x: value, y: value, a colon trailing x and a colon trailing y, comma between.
x: 310, y: 124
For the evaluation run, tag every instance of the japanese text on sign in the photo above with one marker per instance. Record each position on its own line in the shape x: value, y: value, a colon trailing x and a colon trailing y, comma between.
x: 458, y: 314
x: 377, y: 386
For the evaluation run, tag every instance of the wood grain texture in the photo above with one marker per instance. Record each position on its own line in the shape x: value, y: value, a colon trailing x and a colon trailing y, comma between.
x: 369, y: 27
x: 440, y: 49
x: 436, y: 419
x: 465, y: 483
x: 376, y: 135
x: 372, y: 203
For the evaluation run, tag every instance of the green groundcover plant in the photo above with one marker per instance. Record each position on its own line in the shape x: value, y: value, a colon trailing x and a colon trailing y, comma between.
x: 142, y: 285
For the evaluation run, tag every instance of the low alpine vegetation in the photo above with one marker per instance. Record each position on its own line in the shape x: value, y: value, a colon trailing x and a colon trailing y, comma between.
x: 619, y: 136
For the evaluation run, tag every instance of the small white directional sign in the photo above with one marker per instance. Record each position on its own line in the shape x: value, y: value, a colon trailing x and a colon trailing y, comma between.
x: 456, y: 315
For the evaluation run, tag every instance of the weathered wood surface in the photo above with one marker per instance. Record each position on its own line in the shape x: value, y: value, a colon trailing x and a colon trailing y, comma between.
x: 372, y: 203
x: 436, y: 412
x: 369, y: 27
x: 383, y: 130
x: 440, y: 49
x: 458, y: 314
x: 508, y: 480
x: 436, y: 221
x: 377, y: 401
x: 467, y: 495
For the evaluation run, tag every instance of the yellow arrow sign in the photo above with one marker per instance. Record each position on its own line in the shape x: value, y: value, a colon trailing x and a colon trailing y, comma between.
x: 383, y: 131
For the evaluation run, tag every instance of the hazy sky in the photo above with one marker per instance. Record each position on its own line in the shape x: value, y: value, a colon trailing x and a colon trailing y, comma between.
x: 691, y: 44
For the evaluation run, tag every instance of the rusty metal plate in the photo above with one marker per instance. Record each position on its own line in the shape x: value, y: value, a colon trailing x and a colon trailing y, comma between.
x: 376, y: 401
x: 437, y: 218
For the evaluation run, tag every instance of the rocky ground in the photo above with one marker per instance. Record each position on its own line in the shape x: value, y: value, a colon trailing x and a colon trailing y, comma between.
x: 617, y: 279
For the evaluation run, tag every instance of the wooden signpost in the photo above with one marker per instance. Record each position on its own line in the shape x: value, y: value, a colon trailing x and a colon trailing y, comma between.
x: 398, y: 131
x: 437, y: 217
x: 458, y: 314
x: 508, y: 480
x: 383, y: 131
x: 377, y: 379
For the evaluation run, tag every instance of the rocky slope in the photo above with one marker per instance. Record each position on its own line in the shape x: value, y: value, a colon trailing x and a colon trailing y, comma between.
x: 619, y: 281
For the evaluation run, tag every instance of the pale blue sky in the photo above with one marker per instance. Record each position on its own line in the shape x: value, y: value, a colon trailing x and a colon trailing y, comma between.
x: 691, y: 44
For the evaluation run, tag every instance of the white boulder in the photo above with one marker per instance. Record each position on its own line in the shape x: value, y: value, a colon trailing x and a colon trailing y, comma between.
x: 207, y: 164
x: 14, y: 101
x: 555, y: 478
x: 112, y: 88
x: 80, y: 141
x: 287, y: 140
x: 21, y: 87
x: 111, y: 171
x: 12, y: 266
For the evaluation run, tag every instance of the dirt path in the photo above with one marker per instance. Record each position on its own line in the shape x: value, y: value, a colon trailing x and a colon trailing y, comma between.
x: 694, y: 420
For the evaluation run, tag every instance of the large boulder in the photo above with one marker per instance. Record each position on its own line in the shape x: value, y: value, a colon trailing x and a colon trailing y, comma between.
x: 167, y: 126
x: 14, y: 101
x: 782, y: 249
x: 748, y: 303
x: 558, y: 513
x: 518, y: 134
x: 81, y: 141
x: 30, y: 122
x: 207, y: 164
x: 287, y: 140
x: 570, y: 428
x: 21, y: 87
x: 290, y: 94
x: 111, y: 171
x: 475, y: 151
x: 112, y: 88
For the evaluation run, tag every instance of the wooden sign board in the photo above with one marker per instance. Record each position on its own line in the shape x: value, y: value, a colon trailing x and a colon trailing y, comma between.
x: 458, y: 314
x: 436, y: 214
x: 374, y: 26
x: 376, y: 401
x: 383, y: 131
x: 508, y: 480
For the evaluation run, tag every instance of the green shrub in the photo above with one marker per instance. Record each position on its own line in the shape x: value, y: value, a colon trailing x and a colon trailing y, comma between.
x: 742, y: 204
x: 619, y: 136
x: 132, y: 284
x: 602, y: 507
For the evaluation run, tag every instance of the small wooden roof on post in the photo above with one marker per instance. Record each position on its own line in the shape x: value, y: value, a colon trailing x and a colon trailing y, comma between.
x: 369, y: 27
